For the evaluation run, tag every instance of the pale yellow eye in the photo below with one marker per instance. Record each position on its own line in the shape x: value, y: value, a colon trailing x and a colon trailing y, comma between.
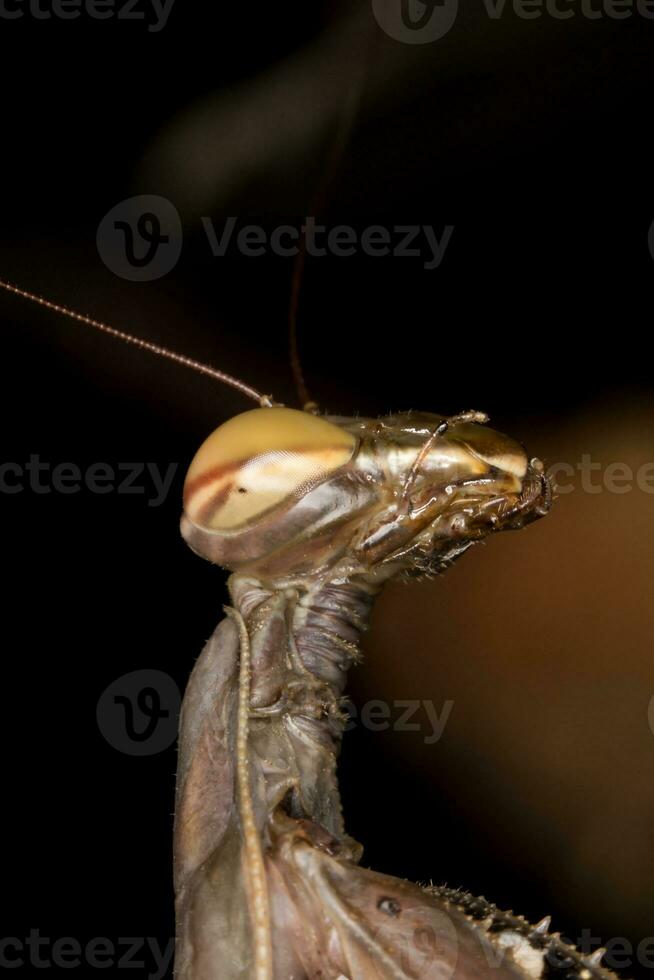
x: 257, y: 460
x: 494, y: 448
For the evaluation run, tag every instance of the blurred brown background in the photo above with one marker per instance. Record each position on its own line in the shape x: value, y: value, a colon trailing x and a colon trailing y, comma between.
x: 541, y: 641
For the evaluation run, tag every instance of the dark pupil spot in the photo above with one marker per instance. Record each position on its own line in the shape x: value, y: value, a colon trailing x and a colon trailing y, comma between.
x: 242, y: 490
x: 389, y: 906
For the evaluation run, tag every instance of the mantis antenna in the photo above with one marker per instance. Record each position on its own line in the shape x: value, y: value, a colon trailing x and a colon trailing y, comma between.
x: 265, y: 401
x: 345, y: 124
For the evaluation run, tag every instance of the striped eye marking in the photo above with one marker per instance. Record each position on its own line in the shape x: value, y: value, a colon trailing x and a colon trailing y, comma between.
x: 258, y: 459
x: 512, y: 462
x: 495, y: 449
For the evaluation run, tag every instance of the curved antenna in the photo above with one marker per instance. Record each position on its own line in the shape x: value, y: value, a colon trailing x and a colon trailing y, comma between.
x: 265, y: 401
x: 344, y: 127
x: 294, y: 351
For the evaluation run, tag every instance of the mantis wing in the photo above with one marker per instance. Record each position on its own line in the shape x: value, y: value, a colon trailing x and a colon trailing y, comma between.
x: 211, y: 903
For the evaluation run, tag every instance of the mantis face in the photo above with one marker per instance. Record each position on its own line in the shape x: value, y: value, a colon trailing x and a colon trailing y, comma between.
x: 281, y: 493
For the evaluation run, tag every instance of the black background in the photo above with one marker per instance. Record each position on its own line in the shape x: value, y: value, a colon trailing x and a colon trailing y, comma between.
x: 531, y: 138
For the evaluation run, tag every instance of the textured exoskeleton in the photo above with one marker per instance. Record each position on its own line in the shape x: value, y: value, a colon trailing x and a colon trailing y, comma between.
x: 312, y: 515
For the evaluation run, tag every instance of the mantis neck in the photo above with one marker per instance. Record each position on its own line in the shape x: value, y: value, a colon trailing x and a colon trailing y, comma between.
x: 302, y: 642
x: 260, y: 732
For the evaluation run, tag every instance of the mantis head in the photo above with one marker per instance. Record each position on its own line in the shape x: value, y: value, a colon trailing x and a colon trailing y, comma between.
x: 280, y: 494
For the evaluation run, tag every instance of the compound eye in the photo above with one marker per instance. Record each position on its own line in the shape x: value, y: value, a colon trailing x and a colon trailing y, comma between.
x: 257, y: 460
x: 494, y: 448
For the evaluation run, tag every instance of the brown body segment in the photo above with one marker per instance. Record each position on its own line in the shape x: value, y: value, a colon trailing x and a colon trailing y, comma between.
x: 331, y: 509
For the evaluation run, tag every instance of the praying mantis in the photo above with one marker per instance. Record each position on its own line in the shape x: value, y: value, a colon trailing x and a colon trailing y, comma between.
x: 312, y: 515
